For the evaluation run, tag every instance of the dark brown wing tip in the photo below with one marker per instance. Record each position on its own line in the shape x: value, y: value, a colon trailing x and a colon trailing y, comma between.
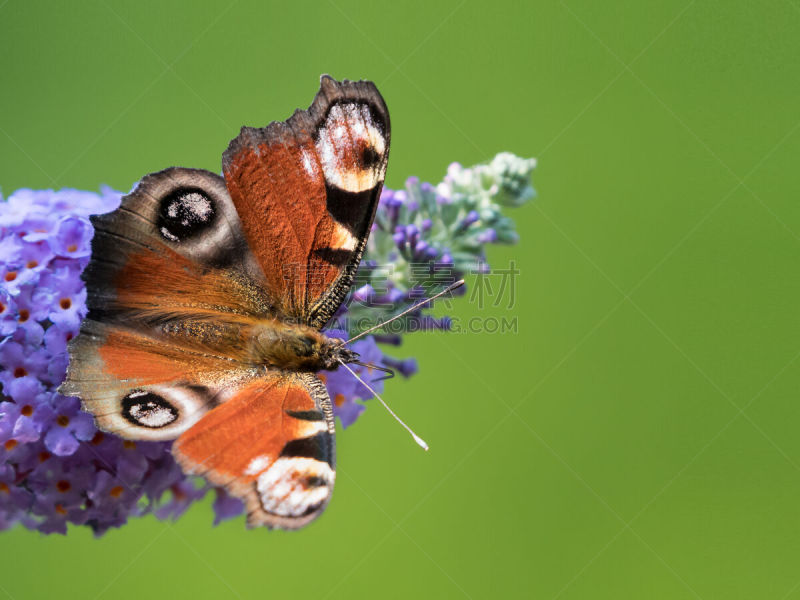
x: 330, y: 90
x: 326, y: 79
x: 326, y: 82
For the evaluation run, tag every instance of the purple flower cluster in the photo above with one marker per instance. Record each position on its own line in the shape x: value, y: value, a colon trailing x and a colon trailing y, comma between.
x: 56, y: 468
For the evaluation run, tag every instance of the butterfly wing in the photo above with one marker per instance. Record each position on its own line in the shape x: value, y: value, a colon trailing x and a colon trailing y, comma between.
x: 173, y: 247
x: 143, y: 388
x: 169, y: 295
x: 306, y: 190
x: 271, y: 444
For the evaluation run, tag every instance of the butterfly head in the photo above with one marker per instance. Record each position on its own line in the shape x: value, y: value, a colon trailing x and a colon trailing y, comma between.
x: 335, y: 353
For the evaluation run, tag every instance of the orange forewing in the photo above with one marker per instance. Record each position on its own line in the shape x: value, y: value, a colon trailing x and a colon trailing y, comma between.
x: 283, y: 211
x: 179, y: 284
x: 306, y: 191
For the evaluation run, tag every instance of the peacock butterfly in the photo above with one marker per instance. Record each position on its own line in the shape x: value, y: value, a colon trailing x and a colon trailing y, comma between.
x: 207, y: 296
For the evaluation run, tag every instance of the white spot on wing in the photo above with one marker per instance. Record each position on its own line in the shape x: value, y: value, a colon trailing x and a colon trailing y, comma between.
x: 309, y: 164
x: 342, y: 239
x: 309, y: 428
x: 258, y: 464
x: 152, y: 415
x: 285, y: 487
x: 168, y: 234
x: 348, y: 129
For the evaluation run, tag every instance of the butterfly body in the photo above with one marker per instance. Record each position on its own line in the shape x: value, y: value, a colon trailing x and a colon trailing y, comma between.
x: 207, y: 296
x: 276, y: 344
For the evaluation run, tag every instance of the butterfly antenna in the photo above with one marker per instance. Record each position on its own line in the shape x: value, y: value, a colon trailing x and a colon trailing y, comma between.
x: 389, y: 372
x: 448, y: 289
x: 417, y: 439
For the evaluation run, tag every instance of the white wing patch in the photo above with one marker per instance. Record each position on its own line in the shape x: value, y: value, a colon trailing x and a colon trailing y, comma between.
x: 349, y: 131
x: 342, y: 239
x: 295, y: 486
x: 309, y: 163
x: 258, y: 464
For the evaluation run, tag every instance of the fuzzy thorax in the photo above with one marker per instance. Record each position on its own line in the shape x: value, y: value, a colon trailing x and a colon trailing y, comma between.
x: 296, y: 347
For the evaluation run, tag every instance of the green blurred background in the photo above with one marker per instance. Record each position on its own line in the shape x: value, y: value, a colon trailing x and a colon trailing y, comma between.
x: 637, y: 438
